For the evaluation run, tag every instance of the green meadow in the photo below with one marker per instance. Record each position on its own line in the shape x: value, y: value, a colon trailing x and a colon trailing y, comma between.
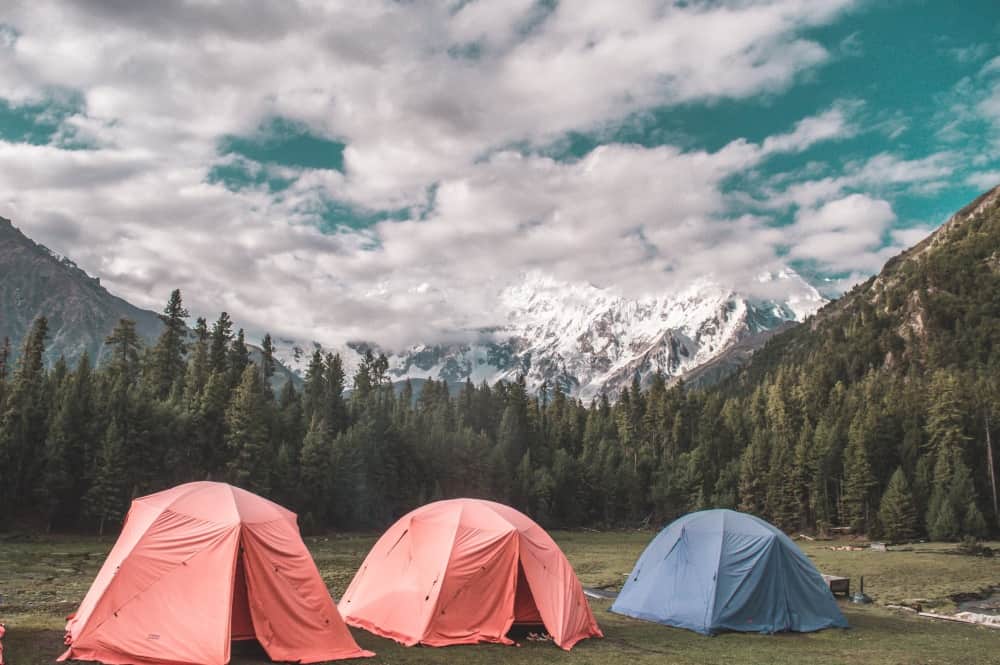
x: 43, y: 579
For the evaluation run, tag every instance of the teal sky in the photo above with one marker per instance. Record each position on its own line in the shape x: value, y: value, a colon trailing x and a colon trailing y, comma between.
x: 426, y: 154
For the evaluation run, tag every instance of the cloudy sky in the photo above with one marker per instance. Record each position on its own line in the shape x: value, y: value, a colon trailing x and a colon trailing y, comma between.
x: 380, y: 170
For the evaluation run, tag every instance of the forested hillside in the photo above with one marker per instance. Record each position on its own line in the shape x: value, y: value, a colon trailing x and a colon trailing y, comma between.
x: 876, y: 413
x: 873, y: 414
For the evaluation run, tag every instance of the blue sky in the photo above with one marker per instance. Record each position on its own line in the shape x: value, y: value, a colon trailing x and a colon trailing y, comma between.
x: 383, y: 170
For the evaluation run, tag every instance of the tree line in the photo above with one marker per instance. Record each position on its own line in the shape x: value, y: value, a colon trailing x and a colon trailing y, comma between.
x: 896, y: 455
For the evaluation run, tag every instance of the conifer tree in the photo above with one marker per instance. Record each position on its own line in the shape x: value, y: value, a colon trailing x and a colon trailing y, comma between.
x: 334, y: 406
x: 944, y: 517
x: 239, y: 357
x: 267, y: 362
x: 973, y: 522
x: 316, y: 476
x: 950, y: 500
x: 753, y: 475
x: 198, y: 365
x: 923, y: 482
x: 247, y: 436
x: 57, y: 479
x: 211, y: 422
x: 124, y: 347
x: 943, y: 521
x: 858, y: 478
x: 804, y: 473
x: 513, y: 433
x: 897, y: 512
x: 363, y: 378
x: 23, y: 422
x: 944, y: 419
x: 67, y: 446
x: 222, y: 335
x: 168, y: 354
x: 314, y: 390
x: 782, y: 503
x: 106, y: 498
x: 290, y: 420
x: 83, y: 396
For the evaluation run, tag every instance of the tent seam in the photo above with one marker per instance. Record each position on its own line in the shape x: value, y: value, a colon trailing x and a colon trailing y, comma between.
x: 718, y: 567
x: 97, y: 602
x: 114, y: 612
x: 439, y: 580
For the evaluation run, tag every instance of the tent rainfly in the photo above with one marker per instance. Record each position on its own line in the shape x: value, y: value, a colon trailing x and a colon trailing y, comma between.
x: 464, y: 571
x: 200, y: 565
x: 720, y: 570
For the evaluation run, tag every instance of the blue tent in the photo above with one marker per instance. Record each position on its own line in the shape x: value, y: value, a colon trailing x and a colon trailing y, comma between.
x: 719, y: 570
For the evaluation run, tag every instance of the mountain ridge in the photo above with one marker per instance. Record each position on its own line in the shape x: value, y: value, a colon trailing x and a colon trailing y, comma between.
x: 80, y: 311
x: 590, y: 340
x: 586, y: 339
x: 909, y: 300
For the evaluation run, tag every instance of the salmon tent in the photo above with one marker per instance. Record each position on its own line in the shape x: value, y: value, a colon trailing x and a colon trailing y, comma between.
x: 464, y: 571
x: 200, y: 565
x: 718, y: 570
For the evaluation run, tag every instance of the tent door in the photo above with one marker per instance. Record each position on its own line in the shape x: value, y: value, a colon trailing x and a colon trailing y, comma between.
x: 240, y: 624
x: 525, y: 610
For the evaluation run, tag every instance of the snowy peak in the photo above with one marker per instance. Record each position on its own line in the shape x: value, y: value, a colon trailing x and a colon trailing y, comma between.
x: 591, y: 340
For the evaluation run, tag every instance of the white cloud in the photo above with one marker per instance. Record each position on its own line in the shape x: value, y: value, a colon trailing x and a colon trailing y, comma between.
x: 971, y: 53
x: 832, y: 124
x: 843, y: 235
x: 379, y: 75
x: 421, y: 95
x: 879, y: 173
x: 984, y: 180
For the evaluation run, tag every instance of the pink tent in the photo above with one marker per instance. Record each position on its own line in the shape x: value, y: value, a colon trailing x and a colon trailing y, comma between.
x: 200, y: 565
x: 464, y: 571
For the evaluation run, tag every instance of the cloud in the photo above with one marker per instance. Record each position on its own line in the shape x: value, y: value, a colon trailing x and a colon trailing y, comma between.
x: 971, y: 106
x: 427, y: 100
x: 832, y: 124
x: 883, y: 172
x: 984, y: 180
x: 969, y: 54
x: 385, y: 77
x: 842, y: 235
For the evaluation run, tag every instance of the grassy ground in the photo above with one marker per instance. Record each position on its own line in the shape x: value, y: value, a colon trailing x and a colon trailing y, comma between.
x: 43, y: 580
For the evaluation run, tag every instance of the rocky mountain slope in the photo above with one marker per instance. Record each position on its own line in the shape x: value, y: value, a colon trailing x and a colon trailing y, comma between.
x: 35, y: 281
x: 935, y: 305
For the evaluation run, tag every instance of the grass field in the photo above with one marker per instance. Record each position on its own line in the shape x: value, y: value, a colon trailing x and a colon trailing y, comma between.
x: 42, y: 580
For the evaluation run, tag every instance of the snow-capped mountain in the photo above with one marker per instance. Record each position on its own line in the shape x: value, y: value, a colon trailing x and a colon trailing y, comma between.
x: 590, y: 340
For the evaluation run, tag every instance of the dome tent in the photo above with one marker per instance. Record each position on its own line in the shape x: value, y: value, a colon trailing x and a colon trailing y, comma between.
x: 200, y: 565
x: 719, y: 570
x: 464, y: 571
